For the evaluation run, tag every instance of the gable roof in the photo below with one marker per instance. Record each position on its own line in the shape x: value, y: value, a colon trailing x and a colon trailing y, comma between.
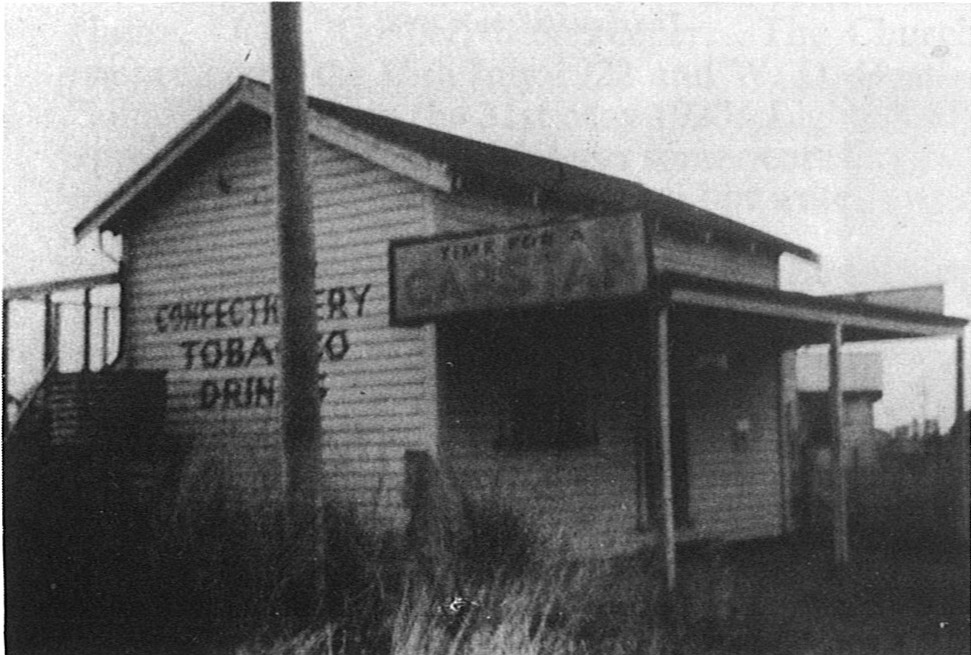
x: 428, y: 156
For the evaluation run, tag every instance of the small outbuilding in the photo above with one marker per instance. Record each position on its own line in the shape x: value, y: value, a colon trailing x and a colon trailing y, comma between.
x: 862, y: 388
x: 814, y: 440
x: 605, y: 358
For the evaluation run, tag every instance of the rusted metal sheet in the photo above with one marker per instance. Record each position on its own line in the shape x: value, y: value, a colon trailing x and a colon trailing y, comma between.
x: 556, y: 263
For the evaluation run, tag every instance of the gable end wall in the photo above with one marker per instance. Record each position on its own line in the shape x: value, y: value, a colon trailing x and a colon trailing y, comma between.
x: 202, y: 284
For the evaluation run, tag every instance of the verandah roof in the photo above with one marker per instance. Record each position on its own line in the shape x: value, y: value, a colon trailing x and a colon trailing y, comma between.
x: 808, y: 317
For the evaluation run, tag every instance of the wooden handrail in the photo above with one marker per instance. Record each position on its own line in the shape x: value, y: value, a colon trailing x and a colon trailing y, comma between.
x: 32, y: 394
x: 73, y: 284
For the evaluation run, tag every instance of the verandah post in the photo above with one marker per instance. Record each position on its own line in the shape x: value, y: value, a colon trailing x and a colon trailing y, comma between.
x: 961, y: 437
x: 5, y: 361
x: 840, y: 513
x: 663, y: 390
x: 659, y: 407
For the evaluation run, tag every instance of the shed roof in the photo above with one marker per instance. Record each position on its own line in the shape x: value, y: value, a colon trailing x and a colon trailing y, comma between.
x: 430, y: 156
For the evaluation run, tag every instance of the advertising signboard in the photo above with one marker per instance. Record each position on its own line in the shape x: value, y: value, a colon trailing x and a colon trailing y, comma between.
x: 553, y: 263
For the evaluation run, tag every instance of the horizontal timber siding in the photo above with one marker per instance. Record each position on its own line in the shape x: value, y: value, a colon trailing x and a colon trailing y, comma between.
x: 585, y: 497
x: 588, y: 496
x: 214, y: 239
x: 735, y: 483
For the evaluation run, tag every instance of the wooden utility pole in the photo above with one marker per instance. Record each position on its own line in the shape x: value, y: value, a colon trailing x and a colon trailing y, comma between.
x: 298, y: 333
x: 840, y: 514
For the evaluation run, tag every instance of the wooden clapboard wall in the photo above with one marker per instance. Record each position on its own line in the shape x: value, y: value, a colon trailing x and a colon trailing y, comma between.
x: 201, y: 298
x: 735, y: 478
x: 728, y: 376
x: 589, y: 496
x: 585, y: 496
x: 202, y: 284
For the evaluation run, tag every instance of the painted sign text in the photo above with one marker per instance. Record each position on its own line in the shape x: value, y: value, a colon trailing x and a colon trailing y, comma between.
x: 555, y: 263
x: 219, y: 353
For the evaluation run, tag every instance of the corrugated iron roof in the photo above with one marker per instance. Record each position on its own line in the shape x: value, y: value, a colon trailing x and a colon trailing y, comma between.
x: 462, y: 155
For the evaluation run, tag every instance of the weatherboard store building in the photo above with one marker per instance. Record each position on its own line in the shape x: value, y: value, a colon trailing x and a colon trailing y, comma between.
x: 606, y: 359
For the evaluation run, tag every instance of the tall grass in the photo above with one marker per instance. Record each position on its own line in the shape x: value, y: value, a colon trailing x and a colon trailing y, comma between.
x: 495, y: 587
x: 524, y: 596
x: 555, y: 608
x: 212, y: 562
x: 239, y: 568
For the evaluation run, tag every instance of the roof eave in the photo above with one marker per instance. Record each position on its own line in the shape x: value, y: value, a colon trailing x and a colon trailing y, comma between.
x: 258, y: 96
x: 102, y: 215
x: 706, y: 219
x: 395, y: 158
x: 425, y: 168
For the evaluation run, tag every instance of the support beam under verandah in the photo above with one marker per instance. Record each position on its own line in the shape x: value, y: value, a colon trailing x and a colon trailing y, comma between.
x: 841, y: 540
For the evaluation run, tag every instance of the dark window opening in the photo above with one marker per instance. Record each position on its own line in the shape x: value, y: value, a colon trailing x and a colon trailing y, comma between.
x: 546, y: 420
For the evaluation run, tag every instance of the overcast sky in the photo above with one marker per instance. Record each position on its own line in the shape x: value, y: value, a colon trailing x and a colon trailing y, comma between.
x: 845, y: 128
